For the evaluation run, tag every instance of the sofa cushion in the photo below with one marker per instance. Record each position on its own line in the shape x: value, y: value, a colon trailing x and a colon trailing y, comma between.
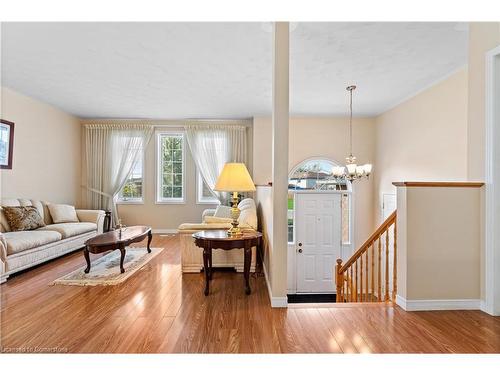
x: 23, y: 218
x: 215, y: 219
x: 62, y: 213
x: 25, y: 240
x: 67, y: 230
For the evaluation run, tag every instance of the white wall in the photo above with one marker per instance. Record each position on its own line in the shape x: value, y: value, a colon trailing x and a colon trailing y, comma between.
x: 46, y: 160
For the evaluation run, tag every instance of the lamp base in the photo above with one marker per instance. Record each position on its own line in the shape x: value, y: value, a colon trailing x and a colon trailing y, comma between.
x: 235, y: 231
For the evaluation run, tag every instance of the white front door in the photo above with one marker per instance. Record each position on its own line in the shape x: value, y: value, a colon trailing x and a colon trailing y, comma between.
x: 318, y: 241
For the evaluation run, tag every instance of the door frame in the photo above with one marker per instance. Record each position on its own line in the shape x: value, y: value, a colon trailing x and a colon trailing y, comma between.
x: 491, y: 302
x: 295, y: 246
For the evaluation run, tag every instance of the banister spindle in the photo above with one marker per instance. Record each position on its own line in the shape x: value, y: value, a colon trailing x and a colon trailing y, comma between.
x: 379, y: 276
x: 395, y: 269
x: 361, y: 277
x: 373, y: 272
x: 386, y: 266
x: 366, y: 276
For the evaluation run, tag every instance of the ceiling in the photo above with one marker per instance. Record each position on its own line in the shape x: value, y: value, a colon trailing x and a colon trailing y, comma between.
x: 224, y: 70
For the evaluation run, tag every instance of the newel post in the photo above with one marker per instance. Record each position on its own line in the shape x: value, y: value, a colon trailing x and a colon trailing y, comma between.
x: 340, y: 280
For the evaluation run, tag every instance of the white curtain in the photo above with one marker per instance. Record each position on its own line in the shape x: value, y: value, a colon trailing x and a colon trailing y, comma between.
x: 111, y: 153
x: 214, y: 145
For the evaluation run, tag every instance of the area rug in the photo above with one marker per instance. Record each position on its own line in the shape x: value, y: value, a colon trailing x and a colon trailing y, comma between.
x: 106, y: 269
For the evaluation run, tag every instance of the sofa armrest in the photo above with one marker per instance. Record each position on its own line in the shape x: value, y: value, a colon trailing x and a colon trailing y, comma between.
x: 3, y: 253
x: 207, y: 212
x: 92, y: 216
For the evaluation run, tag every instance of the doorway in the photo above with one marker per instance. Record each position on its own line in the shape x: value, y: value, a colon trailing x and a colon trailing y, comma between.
x: 318, y: 240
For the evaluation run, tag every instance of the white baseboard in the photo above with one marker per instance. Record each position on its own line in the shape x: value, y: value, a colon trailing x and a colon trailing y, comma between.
x: 275, y: 301
x: 164, y: 231
x: 438, y: 304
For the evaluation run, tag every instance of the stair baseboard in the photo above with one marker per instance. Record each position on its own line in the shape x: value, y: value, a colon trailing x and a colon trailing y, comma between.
x: 438, y: 304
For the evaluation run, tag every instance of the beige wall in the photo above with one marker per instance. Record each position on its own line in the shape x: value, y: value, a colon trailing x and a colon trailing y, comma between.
x: 423, y: 139
x: 328, y: 138
x: 46, y: 160
x: 439, y: 243
x: 483, y: 37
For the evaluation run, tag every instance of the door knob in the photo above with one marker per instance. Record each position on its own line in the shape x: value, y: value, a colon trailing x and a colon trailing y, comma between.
x: 300, y: 250
x: 300, y: 243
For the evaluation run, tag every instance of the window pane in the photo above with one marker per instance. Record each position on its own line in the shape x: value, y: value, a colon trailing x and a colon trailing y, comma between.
x: 171, y: 178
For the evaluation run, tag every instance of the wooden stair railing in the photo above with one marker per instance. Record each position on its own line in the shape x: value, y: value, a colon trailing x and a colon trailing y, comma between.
x: 365, y: 277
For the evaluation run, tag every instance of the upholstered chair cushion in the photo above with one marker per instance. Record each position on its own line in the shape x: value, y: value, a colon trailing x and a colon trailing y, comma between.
x: 215, y: 219
x: 62, y: 213
x: 23, y: 218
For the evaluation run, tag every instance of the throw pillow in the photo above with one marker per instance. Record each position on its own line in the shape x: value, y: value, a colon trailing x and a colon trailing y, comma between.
x: 222, y: 211
x: 23, y: 218
x: 63, y: 213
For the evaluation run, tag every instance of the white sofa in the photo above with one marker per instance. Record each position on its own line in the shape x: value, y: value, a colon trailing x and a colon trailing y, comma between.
x: 24, y: 249
x: 192, y: 256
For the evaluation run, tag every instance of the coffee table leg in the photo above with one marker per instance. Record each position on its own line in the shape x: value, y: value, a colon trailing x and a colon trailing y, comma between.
x: 206, y: 256
x: 87, y: 258
x: 122, y: 257
x: 150, y: 237
x: 246, y: 269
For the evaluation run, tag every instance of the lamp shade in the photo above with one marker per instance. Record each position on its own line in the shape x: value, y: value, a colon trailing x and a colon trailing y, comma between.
x: 234, y: 177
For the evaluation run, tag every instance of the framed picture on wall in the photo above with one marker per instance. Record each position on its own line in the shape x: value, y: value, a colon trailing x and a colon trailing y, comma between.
x: 6, y: 144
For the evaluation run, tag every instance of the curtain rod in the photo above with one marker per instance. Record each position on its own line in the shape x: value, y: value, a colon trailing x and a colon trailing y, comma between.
x: 179, y: 122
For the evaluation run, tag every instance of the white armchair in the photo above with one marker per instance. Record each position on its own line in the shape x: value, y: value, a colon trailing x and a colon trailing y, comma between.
x: 192, y: 256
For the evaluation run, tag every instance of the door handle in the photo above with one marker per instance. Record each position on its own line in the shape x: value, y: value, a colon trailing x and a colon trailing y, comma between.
x: 300, y: 243
x: 300, y: 250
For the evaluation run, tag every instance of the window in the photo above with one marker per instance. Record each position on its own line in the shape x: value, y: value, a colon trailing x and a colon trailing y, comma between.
x: 132, y: 191
x: 170, y: 162
x: 317, y: 175
x: 203, y: 194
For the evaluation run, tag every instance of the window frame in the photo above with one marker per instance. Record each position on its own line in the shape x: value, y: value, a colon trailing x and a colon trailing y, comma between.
x: 158, y: 199
x: 140, y: 200
x: 199, y: 191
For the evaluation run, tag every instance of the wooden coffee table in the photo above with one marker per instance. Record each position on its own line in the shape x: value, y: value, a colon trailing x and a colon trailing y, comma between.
x: 114, y: 241
x: 219, y: 239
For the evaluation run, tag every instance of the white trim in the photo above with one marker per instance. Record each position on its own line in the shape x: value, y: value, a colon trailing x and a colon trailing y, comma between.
x: 488, y: 305
x: 199, y: 191
x: 438, y: 304
x: 164, y: 231
x: 419, y: 91
x: 158, y: 200
x: 275, y: 301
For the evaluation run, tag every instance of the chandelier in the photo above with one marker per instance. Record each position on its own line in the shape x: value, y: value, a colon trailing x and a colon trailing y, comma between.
x: 352, y: 171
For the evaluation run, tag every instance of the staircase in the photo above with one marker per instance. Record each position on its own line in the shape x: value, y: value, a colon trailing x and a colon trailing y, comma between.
x: 370, y: 274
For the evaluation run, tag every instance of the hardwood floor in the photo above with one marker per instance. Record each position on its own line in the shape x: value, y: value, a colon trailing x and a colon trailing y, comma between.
x: 160, y: 310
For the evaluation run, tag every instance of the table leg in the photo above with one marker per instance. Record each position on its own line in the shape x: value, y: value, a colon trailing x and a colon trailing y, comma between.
x: 206, y: 255
x: 210, y: 264
x: 150, y: 237
x: 87, y: 258
x: 122, y: 257
x: 246, y: 268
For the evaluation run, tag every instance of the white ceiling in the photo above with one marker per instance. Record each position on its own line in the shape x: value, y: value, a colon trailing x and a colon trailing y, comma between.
x: 223, y: 70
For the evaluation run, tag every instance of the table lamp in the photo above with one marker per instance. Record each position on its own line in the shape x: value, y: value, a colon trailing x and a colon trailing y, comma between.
x: 234, y: 178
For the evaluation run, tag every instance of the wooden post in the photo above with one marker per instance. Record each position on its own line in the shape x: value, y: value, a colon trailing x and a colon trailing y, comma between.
x: 340, y: 279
